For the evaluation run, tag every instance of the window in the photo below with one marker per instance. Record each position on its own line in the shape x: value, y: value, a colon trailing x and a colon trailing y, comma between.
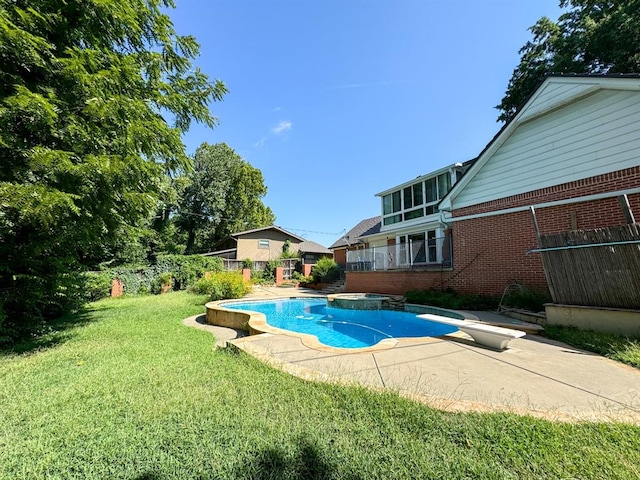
x: 413, y: 196
x: 420, y: 248
x: 417, y: 200
x: 444, y: 184
x: 432, y: 246
x: 392, y: 219
x: 414, y: 214
x: 391, y: 203
x: 263, y: 244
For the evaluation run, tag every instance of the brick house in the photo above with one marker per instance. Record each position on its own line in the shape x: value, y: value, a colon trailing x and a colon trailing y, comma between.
x: 570, y: 152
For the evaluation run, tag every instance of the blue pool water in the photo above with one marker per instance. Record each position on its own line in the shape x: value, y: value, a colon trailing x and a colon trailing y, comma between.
x: 341, y: 328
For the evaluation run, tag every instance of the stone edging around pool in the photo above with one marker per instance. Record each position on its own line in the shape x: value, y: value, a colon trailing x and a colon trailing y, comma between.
x: 256, y: 323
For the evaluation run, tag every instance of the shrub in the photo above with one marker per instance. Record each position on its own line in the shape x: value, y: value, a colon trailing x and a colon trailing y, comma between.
x: 526, y: 300
x: 450, y: 299
x: 97, y: 285
x: 301, y: 278
x: 257, y: 277
x: 326, y: 270
x: 160, y: 282
x: 247, y: 263
x: 187, y: 269
x: 269, y: 272
x: 222, y: 285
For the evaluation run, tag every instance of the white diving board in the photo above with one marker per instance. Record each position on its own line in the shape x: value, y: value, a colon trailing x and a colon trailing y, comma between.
x: 482, y: 333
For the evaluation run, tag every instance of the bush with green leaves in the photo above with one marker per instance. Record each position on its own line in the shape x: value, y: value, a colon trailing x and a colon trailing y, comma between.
x: 247, y: 263
x: 187, y: 269
x: 301, y: 278
x: 325, y: 271
x: 526, y: 299
x: 97, y: 285
x: 161, y: 282
x: 222, y: 285
x: 450, y: 299
x: 269, y: 272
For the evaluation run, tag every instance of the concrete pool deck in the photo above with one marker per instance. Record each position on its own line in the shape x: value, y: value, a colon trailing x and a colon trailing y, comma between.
x: 534, y: 376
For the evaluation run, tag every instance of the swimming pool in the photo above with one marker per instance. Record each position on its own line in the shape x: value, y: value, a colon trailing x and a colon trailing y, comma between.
x: 341, y: 328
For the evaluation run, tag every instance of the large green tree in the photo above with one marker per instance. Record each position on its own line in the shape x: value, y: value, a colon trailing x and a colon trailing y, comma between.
x: 86, y: 88
x: 591, y: 36
x: 224, y: 195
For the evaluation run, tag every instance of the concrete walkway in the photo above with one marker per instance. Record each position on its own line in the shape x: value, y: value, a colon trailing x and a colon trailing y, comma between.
x: 534, y: 376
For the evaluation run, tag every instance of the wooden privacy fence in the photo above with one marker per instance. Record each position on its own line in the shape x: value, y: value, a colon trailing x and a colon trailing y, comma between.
x: 599, y: 268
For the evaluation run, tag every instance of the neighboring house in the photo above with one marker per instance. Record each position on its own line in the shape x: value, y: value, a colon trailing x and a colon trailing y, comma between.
x: 267, y: 243
x: 311, y: 252
x: 351, y: 241
x: 570, y: 152
x: 258, y: 245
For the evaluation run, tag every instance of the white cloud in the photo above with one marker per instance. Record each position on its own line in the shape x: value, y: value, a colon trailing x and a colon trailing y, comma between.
x: 261, y: 142
x: 282, y: 127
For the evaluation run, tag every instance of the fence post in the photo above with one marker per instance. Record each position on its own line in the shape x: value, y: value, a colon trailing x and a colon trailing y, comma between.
x: 539, y: 243
x: 246, y: 274
x: 626, y: 209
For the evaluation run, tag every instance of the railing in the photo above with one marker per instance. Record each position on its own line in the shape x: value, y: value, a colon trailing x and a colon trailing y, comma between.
x: 402, y: 256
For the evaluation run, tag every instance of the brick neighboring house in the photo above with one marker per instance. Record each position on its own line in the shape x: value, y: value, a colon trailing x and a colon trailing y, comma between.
x: 570, y: 152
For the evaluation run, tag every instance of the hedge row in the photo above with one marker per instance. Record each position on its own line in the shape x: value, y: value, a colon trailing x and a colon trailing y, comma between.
x: 179, y: 271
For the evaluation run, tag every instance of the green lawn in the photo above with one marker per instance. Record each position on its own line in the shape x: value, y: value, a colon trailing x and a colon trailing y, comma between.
x: 129, y: 392
x: 616, y: 347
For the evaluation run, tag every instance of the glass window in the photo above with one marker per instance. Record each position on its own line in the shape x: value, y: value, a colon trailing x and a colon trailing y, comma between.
x: 391, y: 203
x: 263, y: 243
x: 432, y: 190
x: 408, y: 197
x: 397, y: 206
x: 412, y: 196
x: 414, y: 214
x: 417, y: 194
x: 386, y: 205
x: 444, y: 184
x: 392, y: 219
x: 432, y: 246
x: 417, y: 247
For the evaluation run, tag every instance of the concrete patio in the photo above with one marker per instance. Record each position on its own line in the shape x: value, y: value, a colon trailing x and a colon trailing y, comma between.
x: 534, y: 376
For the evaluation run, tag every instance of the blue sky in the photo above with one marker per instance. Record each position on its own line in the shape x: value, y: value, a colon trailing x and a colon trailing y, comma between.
x: 335, y: 101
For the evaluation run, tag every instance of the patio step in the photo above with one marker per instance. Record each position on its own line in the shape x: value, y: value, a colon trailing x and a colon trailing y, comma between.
x: 336, y: 287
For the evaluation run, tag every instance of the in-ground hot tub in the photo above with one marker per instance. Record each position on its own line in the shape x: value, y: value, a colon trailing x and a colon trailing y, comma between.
x: 356, y: 301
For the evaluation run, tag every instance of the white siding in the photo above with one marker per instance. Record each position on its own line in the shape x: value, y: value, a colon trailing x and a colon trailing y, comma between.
x: 595, y: 135
x: 553, y: 93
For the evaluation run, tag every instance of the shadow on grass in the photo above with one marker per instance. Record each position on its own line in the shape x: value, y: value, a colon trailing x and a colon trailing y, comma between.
x: 51, y: 334
x: 306, y: 461
x: 624, y: 349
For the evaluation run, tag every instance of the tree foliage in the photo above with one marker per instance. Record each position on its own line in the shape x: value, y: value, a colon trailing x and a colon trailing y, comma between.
x: 223, y: 196
x: 85, y: 87
x: 592, y: 36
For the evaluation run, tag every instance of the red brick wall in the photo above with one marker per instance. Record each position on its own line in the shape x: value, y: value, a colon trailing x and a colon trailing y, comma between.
x: 489, y: 252
x: 393, y: 282
x: 340, y: 256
